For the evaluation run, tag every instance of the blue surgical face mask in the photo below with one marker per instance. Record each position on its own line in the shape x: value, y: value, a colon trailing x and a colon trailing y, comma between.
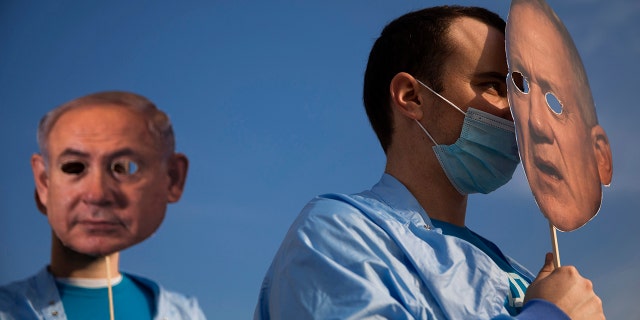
x: 484, y: 157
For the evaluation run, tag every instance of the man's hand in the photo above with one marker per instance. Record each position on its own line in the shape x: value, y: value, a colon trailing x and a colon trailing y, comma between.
x: 567, y: 289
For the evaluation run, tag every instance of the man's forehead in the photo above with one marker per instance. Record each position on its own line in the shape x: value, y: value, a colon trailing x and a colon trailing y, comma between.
x: 477, y: 43
x: 100, y: 126
x: 537, y: 48
x: 108, y: 116
x: 531, y: 22
x: 466, y: 30
x: 524, y: 14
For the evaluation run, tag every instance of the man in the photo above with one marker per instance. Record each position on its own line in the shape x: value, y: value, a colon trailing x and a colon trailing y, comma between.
x: 401, y: 250
x: 105, y: 173
x: 565, y: 154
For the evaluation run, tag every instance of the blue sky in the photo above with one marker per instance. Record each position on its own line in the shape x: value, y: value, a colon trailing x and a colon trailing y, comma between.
x: 265, y: 97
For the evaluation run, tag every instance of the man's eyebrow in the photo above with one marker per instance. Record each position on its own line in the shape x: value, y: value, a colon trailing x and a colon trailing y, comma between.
x: 77, y: 153
x: 545, y: 84
x: 123, y: 152
x: 73, y: 152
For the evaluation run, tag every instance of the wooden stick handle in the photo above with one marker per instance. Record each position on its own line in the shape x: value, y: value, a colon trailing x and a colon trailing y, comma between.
x: 554, y: 244
x: 111, y: 315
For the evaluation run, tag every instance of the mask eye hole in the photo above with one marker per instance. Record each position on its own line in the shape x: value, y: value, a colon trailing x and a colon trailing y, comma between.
x: 520, y: 82
x: 72, y: 167
x: 124, y: 168
x: 554, y: 104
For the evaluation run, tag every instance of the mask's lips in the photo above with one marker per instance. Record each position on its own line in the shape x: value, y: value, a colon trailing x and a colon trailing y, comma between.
x: 547, y: 168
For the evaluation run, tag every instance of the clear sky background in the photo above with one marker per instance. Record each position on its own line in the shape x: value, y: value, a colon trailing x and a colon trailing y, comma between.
x: 265, y: 97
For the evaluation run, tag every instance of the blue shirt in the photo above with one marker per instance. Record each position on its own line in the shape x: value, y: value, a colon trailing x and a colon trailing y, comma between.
x: 131, y: 300
x: 377, y: 253
x: 37, y: 297
x: 518, y: 282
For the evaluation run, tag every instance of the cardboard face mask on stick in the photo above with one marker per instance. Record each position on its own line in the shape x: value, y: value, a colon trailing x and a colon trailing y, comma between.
x: 565, y: 153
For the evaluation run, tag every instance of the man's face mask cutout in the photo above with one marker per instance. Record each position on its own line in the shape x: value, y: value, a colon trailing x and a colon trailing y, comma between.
x: 565, y: 153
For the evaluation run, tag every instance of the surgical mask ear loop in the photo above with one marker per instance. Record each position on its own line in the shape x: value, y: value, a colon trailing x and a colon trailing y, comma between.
x: 441, y: 97
x: 425, y: 131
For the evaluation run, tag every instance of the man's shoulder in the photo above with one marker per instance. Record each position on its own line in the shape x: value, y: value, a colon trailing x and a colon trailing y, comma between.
x: 338, y: 211
x: 22, y: 287
x: 331, y: 203
x: 27, y: 297
x: 12, y: 291
x: 338, y: 226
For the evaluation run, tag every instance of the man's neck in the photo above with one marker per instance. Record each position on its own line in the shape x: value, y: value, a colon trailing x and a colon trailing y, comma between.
x: 67, y: 263
x: 439, y: 199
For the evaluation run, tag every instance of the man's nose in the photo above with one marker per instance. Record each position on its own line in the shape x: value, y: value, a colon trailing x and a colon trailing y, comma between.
x: 500, y: 108
x: 98, y: 188
x: 504, y: 111
x: 539, y: 113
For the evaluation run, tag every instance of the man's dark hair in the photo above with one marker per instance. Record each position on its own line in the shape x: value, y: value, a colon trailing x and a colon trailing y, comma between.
x: 415, y: 43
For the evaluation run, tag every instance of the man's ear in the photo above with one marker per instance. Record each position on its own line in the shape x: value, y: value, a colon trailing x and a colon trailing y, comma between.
x: 405, y: 97
x: 41, y: 179
x: 178, y: 167
x: 602, y: 152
